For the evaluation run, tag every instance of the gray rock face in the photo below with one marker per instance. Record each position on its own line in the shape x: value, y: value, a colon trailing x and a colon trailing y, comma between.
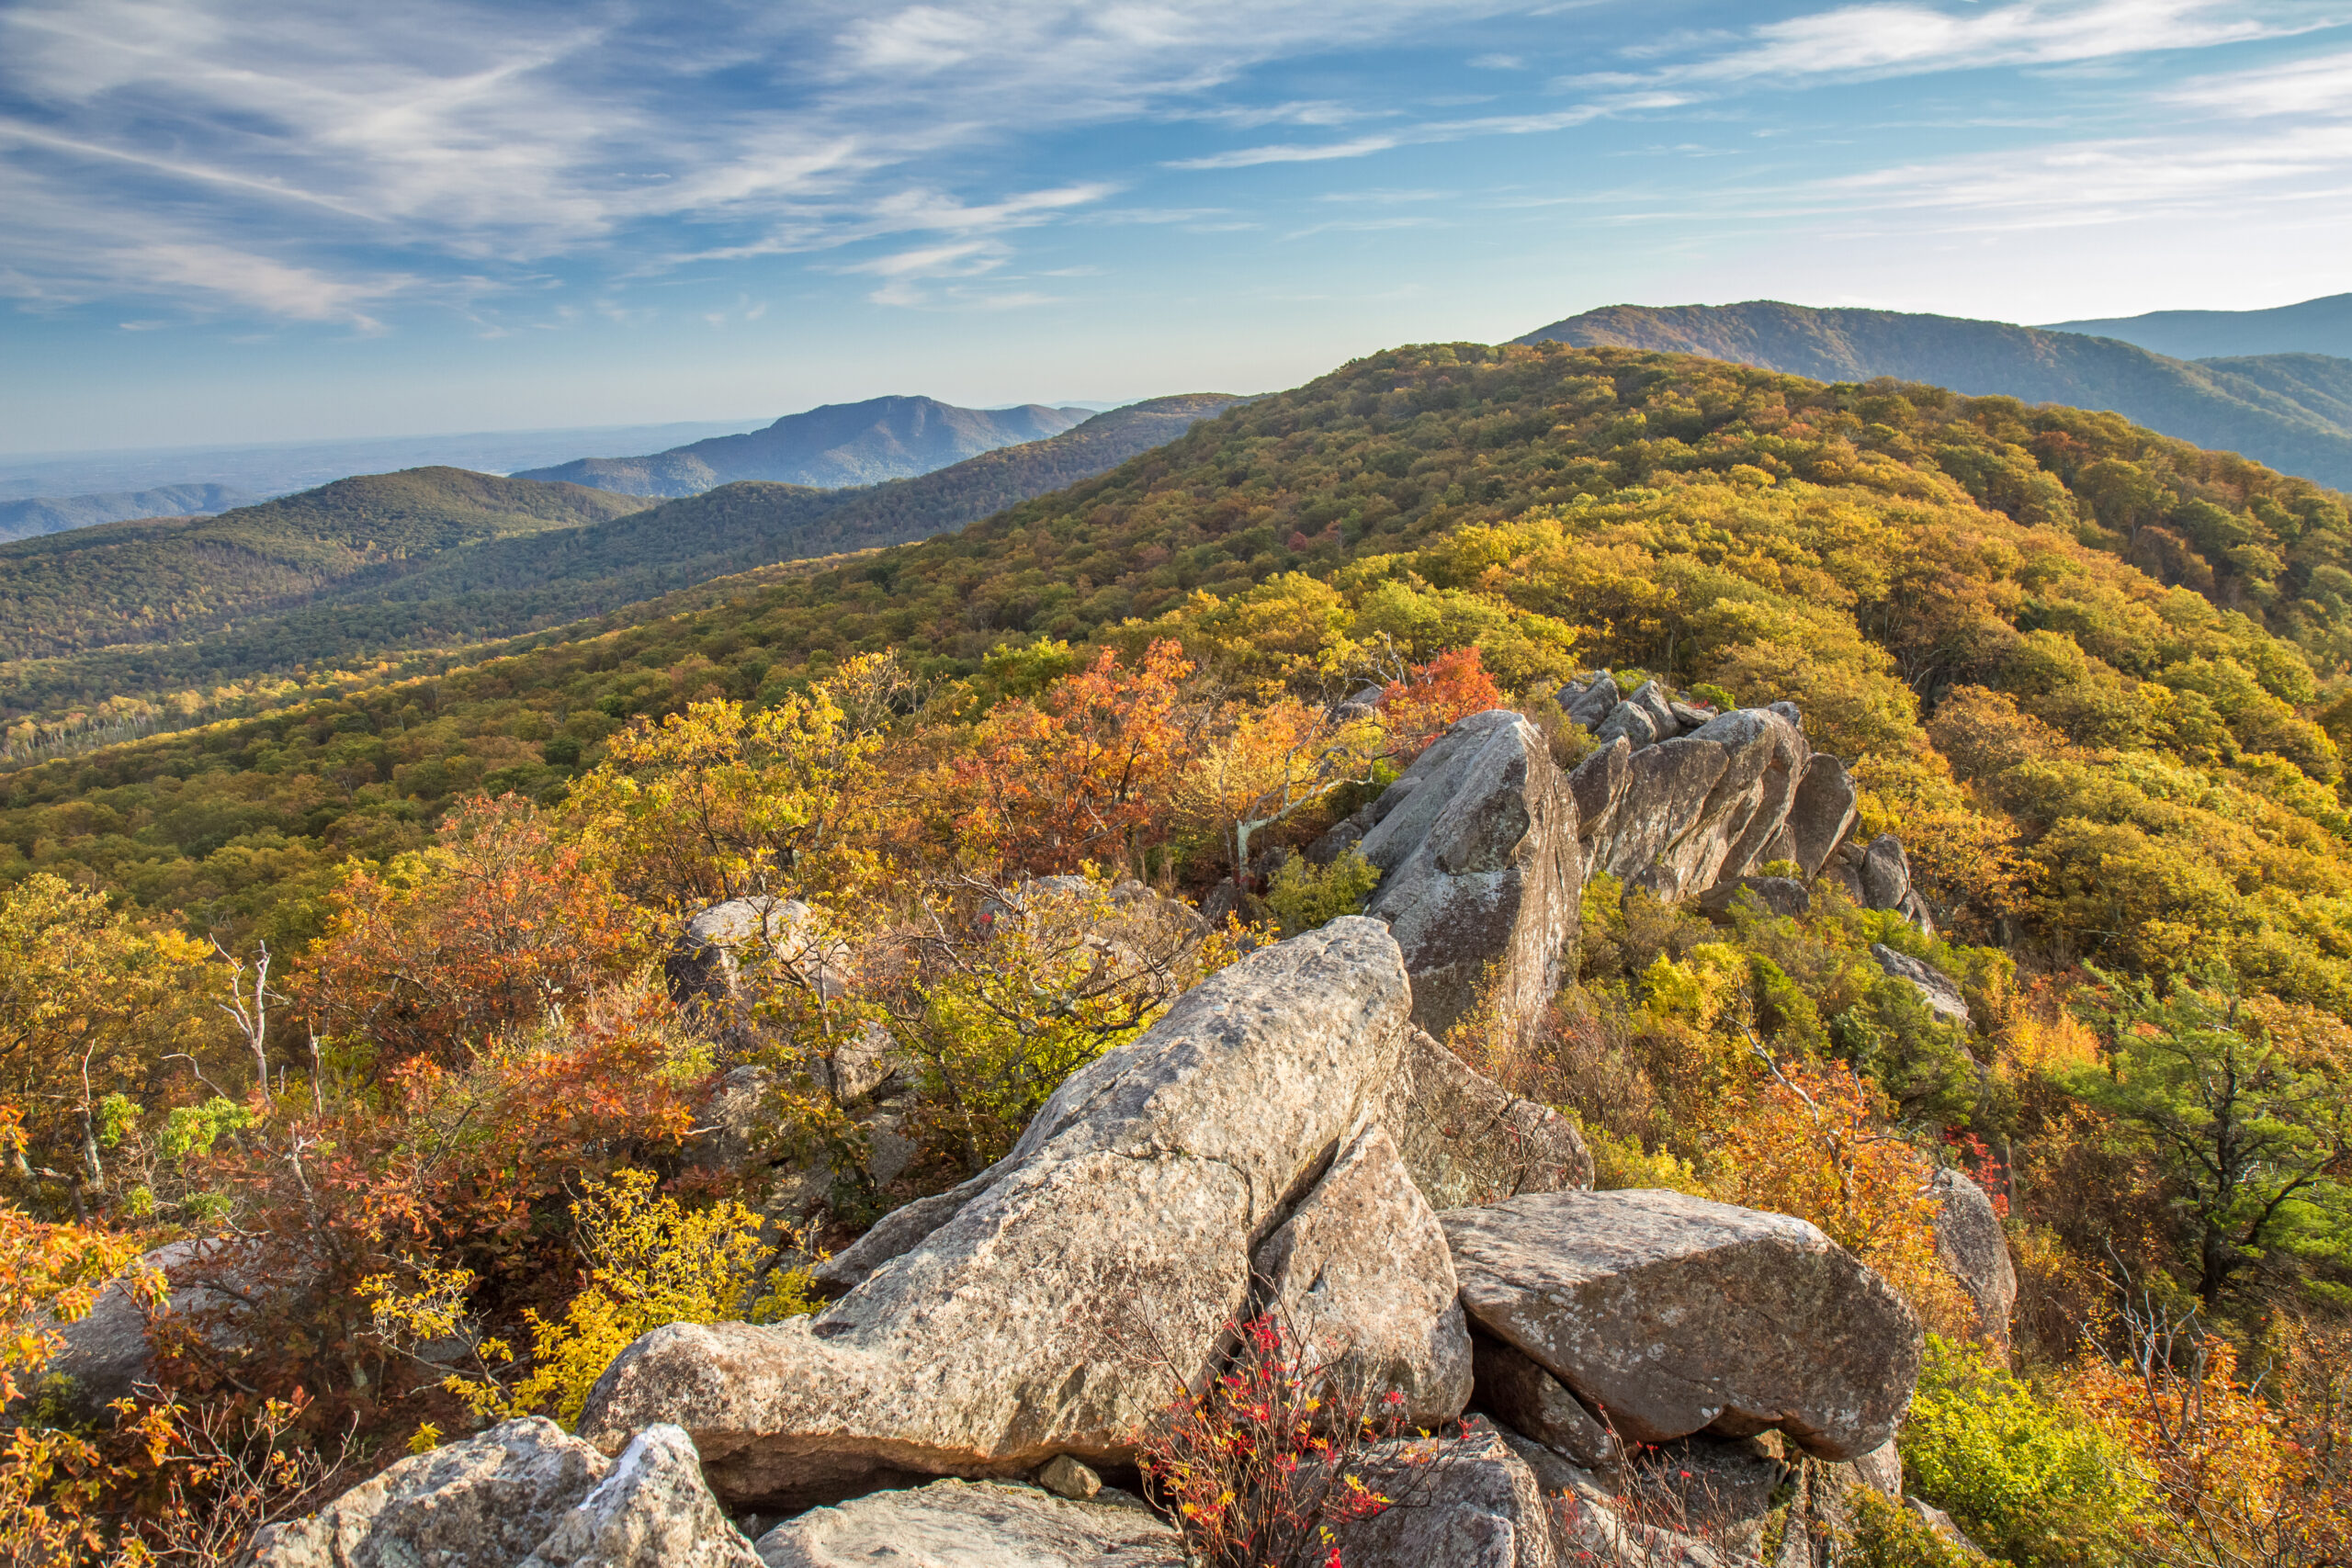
x: 1012, y: 1329
x: 1480, y: 1507
x: 1467, y: 1140
x: 1970, y: 1241
x: 1701, y: 808
x: 1363, y: 1282
x: 1658, y: 704
x: 1935, y: 988
x: 1821, y: 813
x: 962, y: 1524
x: 1673, y: 1315
x: 1588, y: 700
x: 1597, y: 785
x: 1479, y: 874
x: 1716, y: 1490
x: 521, y: 1493
x: 651, y: 1511
x: 1537, y: 1405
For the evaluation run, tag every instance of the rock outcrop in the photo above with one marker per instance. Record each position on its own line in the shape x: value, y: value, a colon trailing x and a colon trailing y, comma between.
x: 1878, y: 876
x: 1672, y: 1315
x: 1469, y: 1141
x: 1125, y: 1216
x: 1970, y: 1241
x: 1364, y: 1283
x: 1679, y: 816
x: 1476, y: 847
x: 966, y: 1524
x: 1478, y: 1507
x: 521, y: 1495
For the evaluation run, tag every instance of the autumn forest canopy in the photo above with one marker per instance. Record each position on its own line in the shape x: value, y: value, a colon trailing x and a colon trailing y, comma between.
x: 381, y: 979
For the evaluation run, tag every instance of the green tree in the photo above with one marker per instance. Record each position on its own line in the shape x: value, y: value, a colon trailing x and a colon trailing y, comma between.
x: 2243, y: 1106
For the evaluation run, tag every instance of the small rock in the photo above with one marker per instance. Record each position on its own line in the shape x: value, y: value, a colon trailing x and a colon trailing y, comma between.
x: 1655, y: 700
x: 1630, y: 722
x: 1936, y: 990
x: 1065, y: 1477
x: 1588, y: 703
x: 651, y: 1511
x: 1687, y: 717
x: 1537, y: 1405
x: 1886, y: 872
x: 963, y: 1524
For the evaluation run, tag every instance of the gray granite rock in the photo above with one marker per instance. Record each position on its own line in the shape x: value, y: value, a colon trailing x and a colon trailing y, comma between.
x: 962, y: 1524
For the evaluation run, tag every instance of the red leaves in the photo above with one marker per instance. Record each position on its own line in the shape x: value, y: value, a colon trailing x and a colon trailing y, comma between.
x: 1433, y: 695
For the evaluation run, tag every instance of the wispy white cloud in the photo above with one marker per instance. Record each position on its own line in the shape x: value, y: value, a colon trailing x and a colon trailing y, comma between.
x: 2321, y: 85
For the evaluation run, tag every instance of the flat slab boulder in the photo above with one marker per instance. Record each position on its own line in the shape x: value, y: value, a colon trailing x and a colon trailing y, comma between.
x: 1672, y: 1315
x: 1480, y: 877
x: 1364, y: 1284
x: 1467, y: 1140
x: 966, y: 1524
x: 521, y: 1495
x: 1009, y: 1323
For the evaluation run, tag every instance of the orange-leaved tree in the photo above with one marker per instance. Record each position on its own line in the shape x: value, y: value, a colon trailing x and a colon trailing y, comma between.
x: 1814, y: 1142
x: 1082, y: 772
x: 1418, y: 708
x: 491, y: 928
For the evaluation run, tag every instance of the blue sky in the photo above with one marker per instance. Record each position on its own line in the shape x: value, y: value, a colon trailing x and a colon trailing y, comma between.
x: 247, y: 221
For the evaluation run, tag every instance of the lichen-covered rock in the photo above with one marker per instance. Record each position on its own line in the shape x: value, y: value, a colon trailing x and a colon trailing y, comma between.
x: 965, y: 1524
x: 1012, y: 1327
x: 487, y: 1502
x: 1364, y: 1284
x: 1466, y: 1502
x: 1467, y: 1140
x: 1479, y: 872
x: 1935, y: 988
x: 651, y: 1511
x: 1886, y: 872
x: 1672, y: 1315
x: 1970, y: 1242
x: 1597, y: 785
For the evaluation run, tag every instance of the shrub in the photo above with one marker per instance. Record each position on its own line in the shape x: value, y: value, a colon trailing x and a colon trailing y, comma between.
x: 1305, y: 897
x: 2026, y: 1476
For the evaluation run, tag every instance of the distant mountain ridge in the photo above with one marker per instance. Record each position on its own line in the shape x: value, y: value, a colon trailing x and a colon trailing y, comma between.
x: 604, y: 555
x: 40, y: 514
x: 830, y: 446
x: 2289, y: 412
x: 2314, y: 326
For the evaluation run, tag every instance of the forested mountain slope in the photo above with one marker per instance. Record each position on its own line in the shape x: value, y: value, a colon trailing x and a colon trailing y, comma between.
x: 2095, y: 754
x: 831, y: 447
x: 2261, y: 411
x: 500, y: 586
x: 157, y: 582
x: 2309, y: 326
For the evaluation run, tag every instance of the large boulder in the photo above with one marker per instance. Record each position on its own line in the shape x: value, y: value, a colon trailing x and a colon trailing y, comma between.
x: 206, y: 1280
x: 965, y: 1524
x: 1672, y: 1315
x: 521, y: 1493
x: 1467, y: 1140
x: 1363, y: 1284
x: 1935, y: 988
x: 1479, y: 874
x: 1970, y: 1241
x: 1699, y: 809
x: 1039, y: 1312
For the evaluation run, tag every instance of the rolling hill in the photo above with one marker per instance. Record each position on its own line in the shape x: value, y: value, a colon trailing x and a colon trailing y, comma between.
x: 499, y: 585
x: 157, y: 582
x: 2257, y: 409
x: 2314, y: 326
x: 35, y: 515
x: 830, y: 446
